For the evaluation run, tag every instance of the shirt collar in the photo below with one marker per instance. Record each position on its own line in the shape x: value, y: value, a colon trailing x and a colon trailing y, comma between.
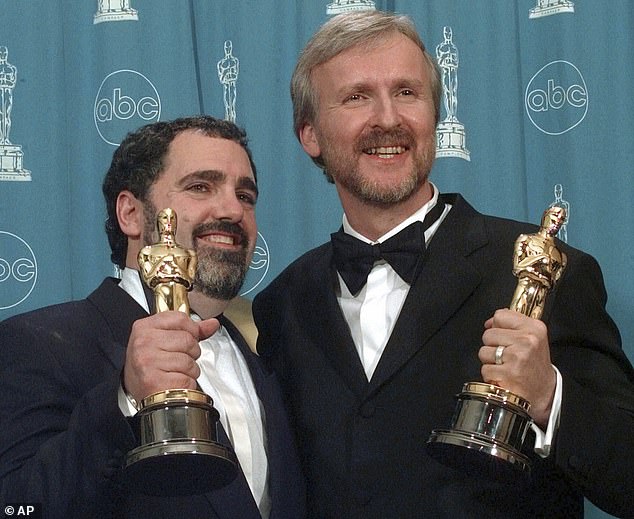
x: 131, y: 283
x: 417, y: 216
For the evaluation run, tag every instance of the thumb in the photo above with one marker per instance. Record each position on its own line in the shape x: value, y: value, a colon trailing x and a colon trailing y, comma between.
x: 207, y: 328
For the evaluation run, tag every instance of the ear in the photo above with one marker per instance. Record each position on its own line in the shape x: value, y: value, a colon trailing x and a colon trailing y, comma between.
x: 130, y: 214
x: 308, y: 138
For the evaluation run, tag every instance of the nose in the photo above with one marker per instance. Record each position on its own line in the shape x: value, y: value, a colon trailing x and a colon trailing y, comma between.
x: 386, y: 114
x: 228, y: 207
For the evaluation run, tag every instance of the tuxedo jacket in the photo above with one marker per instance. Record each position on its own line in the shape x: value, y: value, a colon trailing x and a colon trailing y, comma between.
x: 363, y: 444
x: 63, y: 439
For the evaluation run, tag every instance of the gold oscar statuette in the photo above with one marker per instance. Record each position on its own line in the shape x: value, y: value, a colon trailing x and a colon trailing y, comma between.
x: 179, y: 452
x: 490, y: 423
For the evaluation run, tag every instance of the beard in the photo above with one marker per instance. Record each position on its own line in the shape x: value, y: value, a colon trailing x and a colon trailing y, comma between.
x: 343, y: 167
x: 219, y: 273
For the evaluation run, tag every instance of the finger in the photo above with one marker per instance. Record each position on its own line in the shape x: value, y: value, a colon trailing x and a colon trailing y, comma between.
x: 526, y: 342
x: 485, y: 354
x: 494, y: 354
x: 505, y: 318
x: 178, y: 370
x: 173, y: 320
x: 207, y: 328
x: 154, y: 325
x: 167, y: 341
x: 494, y: 374
x: 495, y: 337
x: 171, y: 331
x: 178, y: 362
x: 166, y: 370
x: 181, y: 342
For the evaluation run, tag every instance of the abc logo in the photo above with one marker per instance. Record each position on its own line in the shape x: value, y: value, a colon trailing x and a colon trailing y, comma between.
x: 259, y: 266
x: 125, y: 101
x: 557, y: 98
x: 18, y: 270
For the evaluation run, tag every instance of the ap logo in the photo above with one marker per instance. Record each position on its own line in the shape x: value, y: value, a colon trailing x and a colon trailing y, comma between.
x: 18, y: 270
x: 556, y: 98
x: 125, y: 101
x: 259, y: 266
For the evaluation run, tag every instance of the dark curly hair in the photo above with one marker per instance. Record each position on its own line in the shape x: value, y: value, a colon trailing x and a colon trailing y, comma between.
x: 139, y: 161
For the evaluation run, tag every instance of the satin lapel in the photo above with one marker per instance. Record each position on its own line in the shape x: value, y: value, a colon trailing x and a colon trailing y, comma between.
x: 258, y: 376
x: 251, y: 360
x: 119, y: 311
x: 445, y: 281
x: 240, y: 501
x: 326, y: 326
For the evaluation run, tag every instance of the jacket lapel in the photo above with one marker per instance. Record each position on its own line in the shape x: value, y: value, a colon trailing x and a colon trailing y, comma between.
x: 119, y: 311
x: 438, y: 291
x: 328, y: 329
x: 283, y: 465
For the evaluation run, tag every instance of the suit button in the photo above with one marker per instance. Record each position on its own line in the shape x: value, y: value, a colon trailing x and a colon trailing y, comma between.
x: 367, y: 410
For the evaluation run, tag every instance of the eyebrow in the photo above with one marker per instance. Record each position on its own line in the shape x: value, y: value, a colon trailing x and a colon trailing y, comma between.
x: 215, y: 176
x: 248, y: 183
x: 398, y: 82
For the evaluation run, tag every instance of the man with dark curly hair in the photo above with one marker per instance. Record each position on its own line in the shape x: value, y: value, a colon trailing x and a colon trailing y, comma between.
x: 76, y: 371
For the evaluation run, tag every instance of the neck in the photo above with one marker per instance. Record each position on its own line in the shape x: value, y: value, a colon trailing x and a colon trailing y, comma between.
x: 204, y: 306
x: 132, y: 252
x: 373, y: 221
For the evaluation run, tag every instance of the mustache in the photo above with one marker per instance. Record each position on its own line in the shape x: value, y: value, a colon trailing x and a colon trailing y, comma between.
x: 378, y: 137
x: 220, y: 226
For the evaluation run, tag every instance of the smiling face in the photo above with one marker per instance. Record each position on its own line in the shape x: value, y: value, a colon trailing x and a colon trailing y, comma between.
x: 209, y: 184
x: 375, y: 123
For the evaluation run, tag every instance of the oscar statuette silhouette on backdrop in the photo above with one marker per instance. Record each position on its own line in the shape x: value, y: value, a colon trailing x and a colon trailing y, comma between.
x: 179, y: 453
x: 490, y: 423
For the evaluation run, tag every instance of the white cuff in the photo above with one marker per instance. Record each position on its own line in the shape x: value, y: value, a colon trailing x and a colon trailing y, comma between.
x: 127, y: 405
x: 544, y: 440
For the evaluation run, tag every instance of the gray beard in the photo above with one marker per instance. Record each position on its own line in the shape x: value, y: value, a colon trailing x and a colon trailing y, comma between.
x: 220, y: 274
x: 373, y: 194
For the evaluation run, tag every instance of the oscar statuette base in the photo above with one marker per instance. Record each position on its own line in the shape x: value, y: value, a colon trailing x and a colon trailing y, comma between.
x: 179, y: 452
x: 486, y: 435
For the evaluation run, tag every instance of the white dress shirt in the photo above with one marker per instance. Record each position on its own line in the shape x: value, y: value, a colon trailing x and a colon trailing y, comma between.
x: 373, y: 312
x: 225, y: 377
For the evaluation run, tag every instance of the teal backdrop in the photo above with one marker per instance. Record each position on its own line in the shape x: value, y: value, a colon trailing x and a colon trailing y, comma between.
x: 539, y: 107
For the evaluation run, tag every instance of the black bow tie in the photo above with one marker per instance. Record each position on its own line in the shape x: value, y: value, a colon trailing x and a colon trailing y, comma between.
x: 403, y: 251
